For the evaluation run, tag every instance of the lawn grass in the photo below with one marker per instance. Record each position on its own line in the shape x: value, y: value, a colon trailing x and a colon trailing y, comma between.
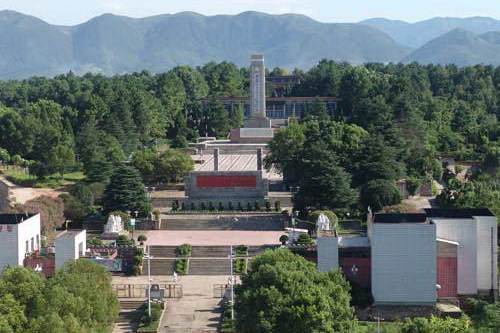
x: 20, y: 177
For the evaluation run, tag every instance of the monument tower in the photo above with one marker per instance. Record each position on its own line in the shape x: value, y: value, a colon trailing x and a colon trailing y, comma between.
x: 257, y: 117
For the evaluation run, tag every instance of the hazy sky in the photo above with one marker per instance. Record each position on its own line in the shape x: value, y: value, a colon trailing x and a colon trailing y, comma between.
x: 76, y: 11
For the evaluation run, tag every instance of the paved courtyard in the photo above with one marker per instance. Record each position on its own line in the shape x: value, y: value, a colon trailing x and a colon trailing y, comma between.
x: 211, y: 237
x: 197, y: 311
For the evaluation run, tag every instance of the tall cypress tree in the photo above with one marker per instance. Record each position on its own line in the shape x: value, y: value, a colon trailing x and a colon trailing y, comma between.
x: 125, y: 191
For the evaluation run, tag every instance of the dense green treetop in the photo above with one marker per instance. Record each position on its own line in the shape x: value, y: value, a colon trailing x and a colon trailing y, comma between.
x: 126, y: 191
x: 393, y: 121
x: 285, y: 293
x: 78, y: 299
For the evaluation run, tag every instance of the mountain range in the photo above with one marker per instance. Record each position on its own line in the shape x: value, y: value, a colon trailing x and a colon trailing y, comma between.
x: 111, y: 44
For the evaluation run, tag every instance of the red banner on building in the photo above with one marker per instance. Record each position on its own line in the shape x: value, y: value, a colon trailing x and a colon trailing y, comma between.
x: 226, y: 181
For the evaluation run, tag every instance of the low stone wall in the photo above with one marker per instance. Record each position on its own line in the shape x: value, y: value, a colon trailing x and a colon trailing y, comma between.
x: 5, y: 201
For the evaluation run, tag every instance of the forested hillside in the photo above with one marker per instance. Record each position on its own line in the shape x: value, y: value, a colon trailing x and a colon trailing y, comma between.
x: 394, y: 121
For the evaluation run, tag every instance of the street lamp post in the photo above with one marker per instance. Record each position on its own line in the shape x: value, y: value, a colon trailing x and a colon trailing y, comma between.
x: 231, y: 282
x: 147, y: 256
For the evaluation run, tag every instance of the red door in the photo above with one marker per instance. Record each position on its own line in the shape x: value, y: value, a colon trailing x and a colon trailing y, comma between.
x: 447, y: 277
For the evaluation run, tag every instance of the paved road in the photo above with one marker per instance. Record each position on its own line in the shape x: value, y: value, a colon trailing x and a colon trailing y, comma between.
x: 197, y: 311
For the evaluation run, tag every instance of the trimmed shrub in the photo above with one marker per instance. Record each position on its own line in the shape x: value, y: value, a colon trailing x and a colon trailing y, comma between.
x: 241, y: 250
x: 240, y: 266
x: 283, y: 239
x: 184, y: 250
x: 304, y: 239
x: 181, y: 266
x: 137, y: 260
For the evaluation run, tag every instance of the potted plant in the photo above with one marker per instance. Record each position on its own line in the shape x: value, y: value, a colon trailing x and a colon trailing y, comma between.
x: 283, y: 239
x: 141, y: 239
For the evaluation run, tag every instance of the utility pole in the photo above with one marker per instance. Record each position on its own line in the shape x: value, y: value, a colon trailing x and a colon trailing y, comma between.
x: 231, y: 282
x: 147, y: 256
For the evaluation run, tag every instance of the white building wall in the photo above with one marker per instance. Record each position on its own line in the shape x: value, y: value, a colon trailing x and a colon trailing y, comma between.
x: 28, y: 231
x: 68, y: 247
x: 9, y: 249
x: 328, y: 253
x: 463, y: 231
x: 13, y: 242
x: 487, y: 255
x: 404, y: 263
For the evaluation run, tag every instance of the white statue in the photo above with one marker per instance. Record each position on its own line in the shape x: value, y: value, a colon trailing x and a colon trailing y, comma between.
x: 323, y: 223
x: 114, y: 225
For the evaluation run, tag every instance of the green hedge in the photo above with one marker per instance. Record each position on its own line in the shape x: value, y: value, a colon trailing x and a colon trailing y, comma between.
x: 227, y: 325
x: 240, y: 266
x: 184, y: 250
x: 241, y: 251
x: 150, y: 324
x: 181, y: 266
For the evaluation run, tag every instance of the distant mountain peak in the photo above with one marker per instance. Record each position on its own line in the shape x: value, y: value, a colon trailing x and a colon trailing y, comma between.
x: 112, y: 44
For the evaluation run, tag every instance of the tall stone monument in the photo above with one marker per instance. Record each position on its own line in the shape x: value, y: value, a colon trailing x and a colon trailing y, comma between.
x: 257, y: 117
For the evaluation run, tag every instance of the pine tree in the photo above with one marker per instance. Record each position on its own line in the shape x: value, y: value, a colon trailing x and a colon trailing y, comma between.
x: 125, y: 191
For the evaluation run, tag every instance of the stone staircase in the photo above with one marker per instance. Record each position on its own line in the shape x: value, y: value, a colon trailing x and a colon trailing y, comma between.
x: 210, y: 251
x: 130, y: 315
x: 159, y: 267
x: 256, y: 250
x: 264, y: 222
x: 204, y: 260
x: 209, y: 266
x: 158, y: 251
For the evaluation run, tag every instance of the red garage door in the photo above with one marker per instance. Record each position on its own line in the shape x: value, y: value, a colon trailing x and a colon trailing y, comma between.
x: 447, y: 277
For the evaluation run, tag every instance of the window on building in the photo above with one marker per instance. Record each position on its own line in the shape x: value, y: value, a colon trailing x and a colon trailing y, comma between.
x: 32, y: 244
x: 38, y: 241
x: 27, y: 246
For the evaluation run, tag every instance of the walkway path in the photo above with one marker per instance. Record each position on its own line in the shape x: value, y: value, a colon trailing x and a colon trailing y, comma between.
x: 197, y: 311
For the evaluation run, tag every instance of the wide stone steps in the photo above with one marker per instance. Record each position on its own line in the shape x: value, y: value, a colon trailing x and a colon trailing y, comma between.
x: 256, y: 250
x: 209, y: 267
x: 159, y: 251
x: 159, y: 267
x: 210, y: 251
x: 130, y: 304
x: 248, y: 223
x: 204, y: 260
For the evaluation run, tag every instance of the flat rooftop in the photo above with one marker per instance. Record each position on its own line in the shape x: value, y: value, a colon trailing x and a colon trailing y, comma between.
x: 458, y: 213
x: 14, y: 218
x: 233, y: 162
x: 400, y: 218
